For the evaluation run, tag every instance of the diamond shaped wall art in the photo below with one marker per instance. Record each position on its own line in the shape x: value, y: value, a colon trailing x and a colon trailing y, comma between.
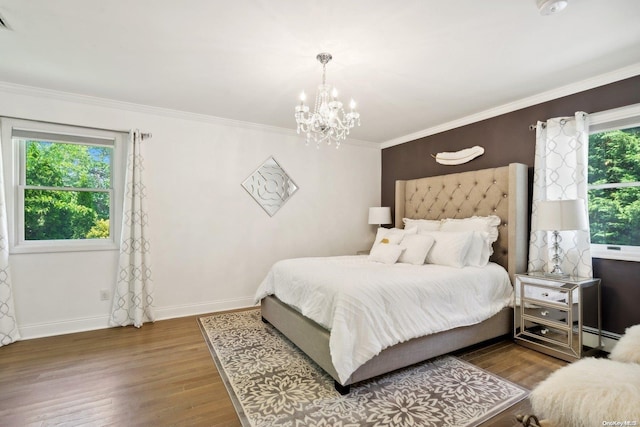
x: 270, y: 186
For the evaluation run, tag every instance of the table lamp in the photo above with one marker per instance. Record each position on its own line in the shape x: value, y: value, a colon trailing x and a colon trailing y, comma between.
x: 380, y: 216
x: 561, y: 215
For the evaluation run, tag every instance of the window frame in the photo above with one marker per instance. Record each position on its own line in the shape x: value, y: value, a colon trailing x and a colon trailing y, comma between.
x: 618, y: 118
x: 14, y: 168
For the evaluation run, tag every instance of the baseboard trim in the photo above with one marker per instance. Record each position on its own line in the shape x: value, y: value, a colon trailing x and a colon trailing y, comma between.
x: 173, y: 312
x: 84, y: 324
x: 63, y: 327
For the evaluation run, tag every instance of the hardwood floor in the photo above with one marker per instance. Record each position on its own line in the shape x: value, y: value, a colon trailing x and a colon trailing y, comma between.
x: 163, y: 375
x: 518, y: 364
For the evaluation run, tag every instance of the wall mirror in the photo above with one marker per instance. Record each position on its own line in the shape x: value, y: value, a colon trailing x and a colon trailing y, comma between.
x: 270, y: 186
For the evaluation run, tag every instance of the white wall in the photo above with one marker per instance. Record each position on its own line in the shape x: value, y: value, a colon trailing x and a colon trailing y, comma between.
x: 211, y: 243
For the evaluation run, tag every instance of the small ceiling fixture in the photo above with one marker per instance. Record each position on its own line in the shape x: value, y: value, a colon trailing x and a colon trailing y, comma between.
x: 328, y: 122
x: 550, y: 7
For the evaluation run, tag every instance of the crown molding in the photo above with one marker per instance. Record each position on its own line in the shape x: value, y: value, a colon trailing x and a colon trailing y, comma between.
x: 158, y: 111
x: 593, y: 82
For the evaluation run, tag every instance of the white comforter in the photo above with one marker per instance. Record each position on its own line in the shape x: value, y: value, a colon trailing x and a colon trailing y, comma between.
x: 369, y: 306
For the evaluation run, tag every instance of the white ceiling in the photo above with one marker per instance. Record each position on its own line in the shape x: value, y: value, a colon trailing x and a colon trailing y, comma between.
x: 411, y: 65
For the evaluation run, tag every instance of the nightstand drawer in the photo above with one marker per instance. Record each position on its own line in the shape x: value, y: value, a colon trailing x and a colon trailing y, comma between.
x: 547, y: 333
x: 548, y: 313
x: 544, y: 294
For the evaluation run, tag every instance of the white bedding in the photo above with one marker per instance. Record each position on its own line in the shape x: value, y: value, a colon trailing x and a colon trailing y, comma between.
x: 369, y: 306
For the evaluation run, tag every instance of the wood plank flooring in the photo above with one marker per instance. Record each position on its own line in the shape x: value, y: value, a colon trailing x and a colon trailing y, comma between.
x: 163, y: 375
x: 518, y: 364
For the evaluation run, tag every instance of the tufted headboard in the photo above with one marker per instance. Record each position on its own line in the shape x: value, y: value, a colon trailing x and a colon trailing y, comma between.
x: 498, y: 191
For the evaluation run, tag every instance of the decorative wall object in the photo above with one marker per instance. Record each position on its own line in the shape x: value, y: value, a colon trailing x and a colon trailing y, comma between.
x: 270, y: 186
x: 458, y: 157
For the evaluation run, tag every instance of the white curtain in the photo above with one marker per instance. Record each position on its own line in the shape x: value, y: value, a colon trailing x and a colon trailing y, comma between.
x: 133, y: 296
x: 8, y: 324
x: 560, y: 173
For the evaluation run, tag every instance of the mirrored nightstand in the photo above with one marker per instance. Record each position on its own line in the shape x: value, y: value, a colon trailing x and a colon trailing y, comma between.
x: 558, y: 316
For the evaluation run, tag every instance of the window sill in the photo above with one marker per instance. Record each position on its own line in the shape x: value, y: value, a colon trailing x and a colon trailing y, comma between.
x: 56, y: 247
x: 615, y: 255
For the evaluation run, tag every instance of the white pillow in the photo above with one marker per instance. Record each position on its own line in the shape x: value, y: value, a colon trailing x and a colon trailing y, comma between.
x: 488, y: 224
x: 627, y: 349
x: 391, y: 235
x: 450, y: 248
x: 386, y: 253
x: 479, y: 249
x: 422, y: 224
x: 416, y: 247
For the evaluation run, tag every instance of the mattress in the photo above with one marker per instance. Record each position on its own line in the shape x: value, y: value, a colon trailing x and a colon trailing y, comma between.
x: 369, y: 306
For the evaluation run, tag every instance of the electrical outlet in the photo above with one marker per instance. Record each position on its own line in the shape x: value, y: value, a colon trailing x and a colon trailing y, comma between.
x: 104, y: 294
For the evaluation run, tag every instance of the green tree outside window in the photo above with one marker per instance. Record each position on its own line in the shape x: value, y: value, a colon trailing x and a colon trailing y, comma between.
x: 614, y: 187
x: 67, y: 191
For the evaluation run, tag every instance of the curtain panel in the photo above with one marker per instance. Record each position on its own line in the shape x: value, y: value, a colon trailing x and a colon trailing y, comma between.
x: 8, y: 323
x: 133, y: 295
x: 560, y: 173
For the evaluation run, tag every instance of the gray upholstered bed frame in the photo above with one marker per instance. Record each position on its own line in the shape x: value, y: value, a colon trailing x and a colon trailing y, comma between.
x: 498, y: 191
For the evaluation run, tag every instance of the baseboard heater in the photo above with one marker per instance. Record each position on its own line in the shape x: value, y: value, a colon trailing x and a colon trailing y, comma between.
x: 590, y: 338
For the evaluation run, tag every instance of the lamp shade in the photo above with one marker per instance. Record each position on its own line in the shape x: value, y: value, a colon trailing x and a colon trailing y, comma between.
x: 558, y: 215
x: 380, y: 216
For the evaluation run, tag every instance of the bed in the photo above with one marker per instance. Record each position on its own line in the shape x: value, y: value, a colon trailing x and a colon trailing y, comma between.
x: 498, y: 191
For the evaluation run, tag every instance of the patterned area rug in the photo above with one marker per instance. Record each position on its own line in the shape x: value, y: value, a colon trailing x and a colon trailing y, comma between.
x: 272, y: 383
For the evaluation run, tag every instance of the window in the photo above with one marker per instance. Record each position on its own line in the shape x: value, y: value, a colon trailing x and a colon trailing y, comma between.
x: 614, y: 183
x: 65, y: 186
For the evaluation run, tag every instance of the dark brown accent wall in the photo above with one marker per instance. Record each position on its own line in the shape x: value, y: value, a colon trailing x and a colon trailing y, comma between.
x: 507, y: 139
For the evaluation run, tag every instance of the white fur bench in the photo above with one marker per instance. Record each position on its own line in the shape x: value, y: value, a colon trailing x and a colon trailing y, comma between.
x: 592, y: 391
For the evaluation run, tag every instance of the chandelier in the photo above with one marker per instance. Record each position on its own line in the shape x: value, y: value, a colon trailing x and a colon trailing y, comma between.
x: 328, y: 122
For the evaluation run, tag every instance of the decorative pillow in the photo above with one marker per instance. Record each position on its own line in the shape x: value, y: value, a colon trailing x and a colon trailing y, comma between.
x: 450, y: 248
x: 627, y: 349
x: 479, y: 249
x: 416, y: 247
x: 422, y: 224
x: 386, y: 253
x: 391, y: 235
x: 488, y: 224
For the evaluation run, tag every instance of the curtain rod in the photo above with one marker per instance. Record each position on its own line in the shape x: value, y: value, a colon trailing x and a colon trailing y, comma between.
x: 144, y: 135
x: 562, y: 121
